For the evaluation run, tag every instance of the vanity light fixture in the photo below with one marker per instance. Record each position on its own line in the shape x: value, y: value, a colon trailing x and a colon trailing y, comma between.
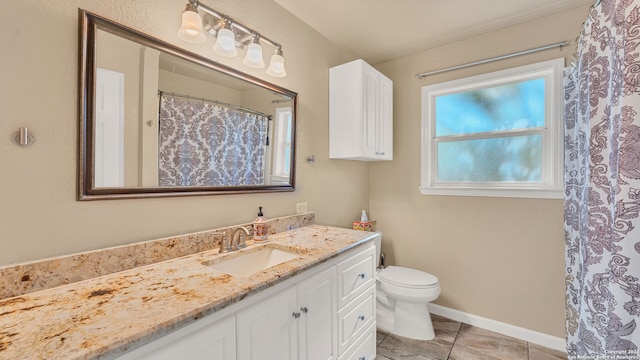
x: 276, y: 66
x: 226, y: 41
x: 226, y: 31
x: 253, y: 58
x: 191, y: 29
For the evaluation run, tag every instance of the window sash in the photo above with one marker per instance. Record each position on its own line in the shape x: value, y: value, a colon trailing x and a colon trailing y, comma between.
x: 550, y: 185
x: 535, y: 136
x: 526, y: 108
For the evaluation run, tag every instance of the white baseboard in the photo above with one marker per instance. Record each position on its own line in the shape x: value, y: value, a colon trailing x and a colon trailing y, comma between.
x: 517, y: 332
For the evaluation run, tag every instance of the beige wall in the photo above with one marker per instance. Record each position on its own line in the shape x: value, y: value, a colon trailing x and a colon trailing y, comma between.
x: 39, y: 214
x: 498, y: 258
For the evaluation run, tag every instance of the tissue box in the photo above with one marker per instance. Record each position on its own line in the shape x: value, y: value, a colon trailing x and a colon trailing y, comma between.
x: 365, y: 226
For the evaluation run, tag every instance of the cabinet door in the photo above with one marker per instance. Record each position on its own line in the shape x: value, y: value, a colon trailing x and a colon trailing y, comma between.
x: 204, y: 340
x: 318, y: 306
x: 370, y: 109
x: 385, y: 119
x: 267, y: 330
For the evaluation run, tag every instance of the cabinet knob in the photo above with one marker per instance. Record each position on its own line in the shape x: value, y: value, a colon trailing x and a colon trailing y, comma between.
x: 304, y: 310
x: 362, y: 275
x: 296, y: 314
x: 362, y: 358
x: 361, y: 317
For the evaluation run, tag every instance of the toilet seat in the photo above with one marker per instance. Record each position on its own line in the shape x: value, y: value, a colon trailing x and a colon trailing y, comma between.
x: 407, y: 278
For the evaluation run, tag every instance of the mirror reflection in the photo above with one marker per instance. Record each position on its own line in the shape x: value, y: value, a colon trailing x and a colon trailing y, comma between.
x: 168, y: 122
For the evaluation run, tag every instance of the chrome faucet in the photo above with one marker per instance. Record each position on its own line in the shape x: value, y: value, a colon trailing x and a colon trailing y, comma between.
x: 239, y: 238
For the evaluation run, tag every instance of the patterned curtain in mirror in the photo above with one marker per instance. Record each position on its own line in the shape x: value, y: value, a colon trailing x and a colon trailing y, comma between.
x: 205, y: 143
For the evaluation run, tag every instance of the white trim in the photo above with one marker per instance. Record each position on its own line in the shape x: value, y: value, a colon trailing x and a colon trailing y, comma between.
x: 281, y: 142
x: 548, y: 341
x: 493, y: 192
x: 109, y: 129
x: 550, y: 186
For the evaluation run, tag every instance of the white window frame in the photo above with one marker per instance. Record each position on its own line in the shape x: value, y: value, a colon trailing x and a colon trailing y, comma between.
x: 552, y: 141
x: 282, y: 143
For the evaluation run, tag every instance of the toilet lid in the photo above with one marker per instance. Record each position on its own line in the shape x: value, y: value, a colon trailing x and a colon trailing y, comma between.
x: 406, y: 277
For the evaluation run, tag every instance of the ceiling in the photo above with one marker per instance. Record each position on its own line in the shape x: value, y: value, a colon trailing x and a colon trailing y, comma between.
x: 381, y: 30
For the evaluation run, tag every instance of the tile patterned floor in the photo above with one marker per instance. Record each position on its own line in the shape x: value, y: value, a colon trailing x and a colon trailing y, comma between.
x: 459, y: 341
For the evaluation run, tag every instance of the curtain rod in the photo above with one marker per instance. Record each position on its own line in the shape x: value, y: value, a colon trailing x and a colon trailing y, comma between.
x: 188, y: 97
x: 519, y: 53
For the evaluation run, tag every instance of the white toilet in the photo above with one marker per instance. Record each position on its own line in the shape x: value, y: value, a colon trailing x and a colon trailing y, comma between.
x: 402, y: 295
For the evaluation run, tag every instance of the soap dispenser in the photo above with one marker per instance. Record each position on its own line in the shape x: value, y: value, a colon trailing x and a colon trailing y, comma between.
x: 260, y: 227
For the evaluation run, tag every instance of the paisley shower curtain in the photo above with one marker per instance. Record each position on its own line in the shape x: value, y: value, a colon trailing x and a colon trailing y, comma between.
x: 205, y: 143
x: 602, y: 185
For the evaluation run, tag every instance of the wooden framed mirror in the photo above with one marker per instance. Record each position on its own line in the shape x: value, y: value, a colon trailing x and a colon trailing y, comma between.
x: 156, y: 120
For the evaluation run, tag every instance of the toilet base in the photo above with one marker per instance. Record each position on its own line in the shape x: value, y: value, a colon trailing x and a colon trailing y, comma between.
x: 409, y: 320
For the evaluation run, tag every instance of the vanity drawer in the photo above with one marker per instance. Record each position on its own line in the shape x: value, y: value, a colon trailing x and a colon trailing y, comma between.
x: 364, y: 348
x: 355, y: 275
x: 355, y: 318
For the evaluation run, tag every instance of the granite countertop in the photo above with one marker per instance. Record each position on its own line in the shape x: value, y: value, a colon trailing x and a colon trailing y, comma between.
x: 104, y: 315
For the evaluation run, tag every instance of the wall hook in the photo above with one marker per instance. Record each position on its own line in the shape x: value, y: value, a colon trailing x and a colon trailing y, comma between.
x: 311, y: 159
x: 23, y: 137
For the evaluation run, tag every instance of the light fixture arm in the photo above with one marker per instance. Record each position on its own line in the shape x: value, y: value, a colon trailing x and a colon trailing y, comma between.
x: 245, y: 32
x: 253, y: 37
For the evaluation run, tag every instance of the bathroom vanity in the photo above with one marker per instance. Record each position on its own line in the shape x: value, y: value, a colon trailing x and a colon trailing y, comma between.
x: 320, y: 304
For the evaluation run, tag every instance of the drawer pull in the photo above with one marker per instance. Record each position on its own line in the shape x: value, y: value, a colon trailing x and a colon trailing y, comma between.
x: 304, y: 310
x: 357, y: 323
x: 296, y: 314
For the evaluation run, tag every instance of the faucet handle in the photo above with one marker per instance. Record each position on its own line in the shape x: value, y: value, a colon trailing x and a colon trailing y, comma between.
x: 224, y: 242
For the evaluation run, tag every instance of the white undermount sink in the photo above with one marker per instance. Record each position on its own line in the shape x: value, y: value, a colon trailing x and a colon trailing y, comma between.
x: 249, y: 261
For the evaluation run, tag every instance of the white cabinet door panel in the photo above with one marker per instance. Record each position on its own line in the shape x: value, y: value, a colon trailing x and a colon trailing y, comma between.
x: 267, y: 330
x: 318, y: 307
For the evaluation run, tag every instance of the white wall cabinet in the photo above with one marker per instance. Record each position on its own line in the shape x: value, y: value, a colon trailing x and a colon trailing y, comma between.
x: 360, y: 113
x: 326, y: 313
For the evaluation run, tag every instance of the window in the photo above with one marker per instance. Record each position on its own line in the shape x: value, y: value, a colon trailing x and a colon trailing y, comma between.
x: 497, y: 134
x: 282, y: 146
